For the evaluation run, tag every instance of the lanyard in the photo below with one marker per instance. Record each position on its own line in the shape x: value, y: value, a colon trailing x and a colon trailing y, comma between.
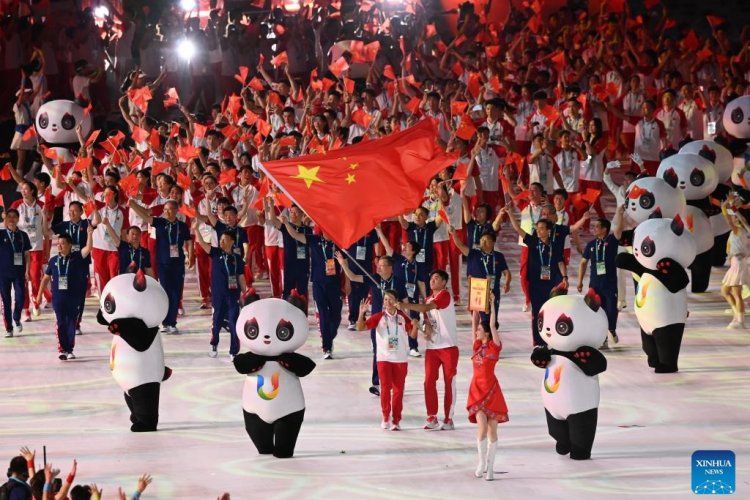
x: 387, y: 318
x: 323, y: 249
x: 225, y: 258
x: 12, y: 238
x: 169, y: 233
x: 599, y: 246
x: 406, y: 271
x: 540, y: 247
x: 67, y: 265
x: 74, y: 233
x: 486, y: 258
x: 477, y: 227
x: 424, y: 237
x: 132, y: 255
x: 385, y: 285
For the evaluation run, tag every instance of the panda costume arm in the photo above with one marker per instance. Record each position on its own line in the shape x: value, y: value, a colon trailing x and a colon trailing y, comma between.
x: 249, y: 362
x: 296, y: 363
x: 588, y: 359
x: 628, y: 262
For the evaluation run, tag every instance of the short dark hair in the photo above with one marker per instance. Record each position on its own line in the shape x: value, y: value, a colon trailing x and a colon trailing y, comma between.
x: 66, y: 237
x: 75, y: 203
x: 229, y: 234
x: 231, y: 208
x: 546, y: 222
x: 443, y: 275
x: 561, y: 192
x: 605, y: 224
x: 415, y: 246
x: 388, y: 259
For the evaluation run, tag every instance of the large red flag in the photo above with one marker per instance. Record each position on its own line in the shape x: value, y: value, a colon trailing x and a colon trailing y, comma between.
x: 348, y: 191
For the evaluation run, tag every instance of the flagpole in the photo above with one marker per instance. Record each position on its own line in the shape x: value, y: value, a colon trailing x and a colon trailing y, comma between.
x: 360, y: 267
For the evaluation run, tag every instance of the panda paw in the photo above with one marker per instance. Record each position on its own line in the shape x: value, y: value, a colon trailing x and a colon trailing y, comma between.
x: 664, y: 266
x: 582, y: 354
x: 541, y: 357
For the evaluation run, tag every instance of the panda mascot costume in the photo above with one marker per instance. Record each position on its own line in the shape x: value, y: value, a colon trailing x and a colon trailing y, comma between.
x: 652, y: 195
x: 55, y: 124
x: 272, y: 400
x: 133, y: 306
x: 696, y: 177
x: 571, y: 325
x: 723, y: 164
x: 662, y: 249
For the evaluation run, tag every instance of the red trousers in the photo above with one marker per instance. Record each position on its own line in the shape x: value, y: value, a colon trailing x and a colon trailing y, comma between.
x: 524, y: 282
x: 392, y: 231
x: 106, y: 266
x: 36, y: 268
x: 447, y: 254
x: 275, y: 260
x: 203, y: 265
x: 392, y: 381
x: 433, y: 360
x: 151, y: 245
x: 255, y: 250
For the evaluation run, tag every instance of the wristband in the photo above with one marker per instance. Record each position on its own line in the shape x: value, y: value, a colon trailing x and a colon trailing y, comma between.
x: 30, y: 464
x: 71, y: 477
x: 47, y: 488
x: 565, y: 277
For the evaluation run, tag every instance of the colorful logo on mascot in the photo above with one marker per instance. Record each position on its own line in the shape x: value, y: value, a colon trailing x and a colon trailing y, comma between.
x: 640, y: 297
x: 274, y: 382
x: 552, y: 388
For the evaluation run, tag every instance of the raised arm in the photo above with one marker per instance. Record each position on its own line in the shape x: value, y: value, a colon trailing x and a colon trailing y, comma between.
x: 513, y: 221
x: 86, y: 251
x: 617, y: 230
x: 384, y: 241
x: 358, y: 278
x: 206, y: 246
x: 462, y: 247
x: 142, y: 212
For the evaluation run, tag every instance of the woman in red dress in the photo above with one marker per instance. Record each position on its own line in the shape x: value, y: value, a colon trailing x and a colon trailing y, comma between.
x: 486, y: 404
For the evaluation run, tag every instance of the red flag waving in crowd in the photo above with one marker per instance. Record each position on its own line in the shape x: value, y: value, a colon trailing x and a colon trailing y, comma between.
x: 348, y: 191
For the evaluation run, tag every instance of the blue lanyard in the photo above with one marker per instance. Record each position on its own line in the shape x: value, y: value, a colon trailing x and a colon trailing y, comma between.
x: 540, y: 246
x: 424, y: 237
x: 74, y: 231
x: 385, y: 285
x: 12, y: 238
x: 406, y: 271
x: 387, y: 319
x: 323, y: 249
x: 67, y: 265
x: 485, y: 259
x: 599, y: 245
x: 225, y: 258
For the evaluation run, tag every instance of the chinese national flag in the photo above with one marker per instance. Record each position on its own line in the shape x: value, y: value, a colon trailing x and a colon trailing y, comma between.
x: 372, y: 180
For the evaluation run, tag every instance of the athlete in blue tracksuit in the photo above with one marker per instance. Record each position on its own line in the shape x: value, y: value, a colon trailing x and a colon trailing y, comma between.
x: 601, y: 252
x: 384, y: 279
x: 67, y: 272
x: 14, y: 259
x: 227, y: 284
x: 76, y: 228
x: 362, y: 252
x: 326, y: 279
x: 133, y: 256
x: 296, y: 253
x: 172, y: 236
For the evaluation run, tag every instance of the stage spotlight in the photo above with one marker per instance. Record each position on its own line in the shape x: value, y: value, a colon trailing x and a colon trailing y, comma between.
x: 187, y: 5
x: 101, y: 11
x: 186, y: 49
x: 292, y: 5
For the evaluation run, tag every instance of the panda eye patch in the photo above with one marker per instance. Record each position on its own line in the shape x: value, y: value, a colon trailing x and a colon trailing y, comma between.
x: 564, y: 325
x: 68, y: 121
x: 648, y: 247
x: 737, y: 115
x: 109, y: 304
x: 697, y: 177
x: 284, y: 330
x: 43, y: 120
x: 251, y: 329
x: 646, y: 201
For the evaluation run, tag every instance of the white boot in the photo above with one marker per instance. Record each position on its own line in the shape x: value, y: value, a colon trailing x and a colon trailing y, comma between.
x: 490, y: 461
x: 482, y: 451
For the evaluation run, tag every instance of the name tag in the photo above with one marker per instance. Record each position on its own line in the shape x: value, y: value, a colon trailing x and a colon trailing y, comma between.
x: 237, y: 250
x: 330, y: 267
x: 545, y: 274
x: 421, y: 256
x: 232, y: 282
x: 711, y: 128
x: 392, y: 343
x: 601, y: 268
x: 361, y: 252
x: 300, y: 252
x: 174, y: 252
x: 411, y: 289
x: 76, y: 248
x: 17, y: 259
x: 62, y: 283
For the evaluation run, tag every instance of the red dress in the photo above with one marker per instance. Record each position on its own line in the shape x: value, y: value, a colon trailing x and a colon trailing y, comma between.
x: 485, y: 393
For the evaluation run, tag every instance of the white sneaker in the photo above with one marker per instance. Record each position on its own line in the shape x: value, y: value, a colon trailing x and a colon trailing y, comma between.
x: 9, y: 335
x: 736, y: 325
x: 327, y: 355
x: 352, y: 326
x: 414, y: 353
x: 78, y: 331
x: 70, y: 355
x: 172, y: 330
x: 431, y: 424
x: 213, y: 352
x: 732, y: 325
x: 163, y: 329
x: 385, y: 425
x: 525, y: 308
x: 18, y: 328
x: 614, y: 337
x: 395, y: 427
x: 605, y: 345
x: 34, y: 311
x: 447, y: 426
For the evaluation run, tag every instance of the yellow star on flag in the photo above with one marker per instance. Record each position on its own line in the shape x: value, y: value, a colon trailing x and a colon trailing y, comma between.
x: 350, y: 179
x: 353, y: 166
x: 309, y: 175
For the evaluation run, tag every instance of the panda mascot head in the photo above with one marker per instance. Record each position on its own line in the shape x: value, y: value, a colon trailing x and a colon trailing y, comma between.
x: 723, y: 162
x: 271, y: 327
x: 657, y: 239
x: 651, y: 195
x: 567, y: 322
x: 693, y: 174
x: 133, y: 306
x: 56, y: 122
x: 736, y: 119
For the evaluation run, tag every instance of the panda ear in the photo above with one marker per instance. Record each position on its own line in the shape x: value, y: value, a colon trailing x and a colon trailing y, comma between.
x: 656, y: 214
x: 677, y: 226
x: 249, y: 297
x: 593, y: 300
x: 707, y: 153
x: 298, y: 300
